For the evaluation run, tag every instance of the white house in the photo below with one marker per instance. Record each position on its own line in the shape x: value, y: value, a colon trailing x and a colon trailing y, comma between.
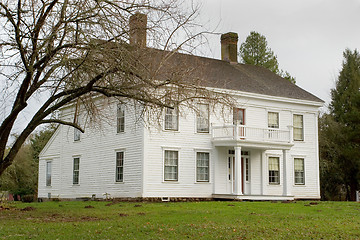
x: 266, y: 148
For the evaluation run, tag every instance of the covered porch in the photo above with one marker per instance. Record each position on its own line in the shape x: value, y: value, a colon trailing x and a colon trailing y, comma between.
x: 245, y: 152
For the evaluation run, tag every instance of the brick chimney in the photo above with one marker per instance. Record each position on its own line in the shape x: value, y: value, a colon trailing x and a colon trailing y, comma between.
x: 137, y: 33
x: 229, y: 47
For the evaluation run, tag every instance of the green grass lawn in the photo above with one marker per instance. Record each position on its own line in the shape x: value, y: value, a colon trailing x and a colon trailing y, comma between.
x: 181, y: 220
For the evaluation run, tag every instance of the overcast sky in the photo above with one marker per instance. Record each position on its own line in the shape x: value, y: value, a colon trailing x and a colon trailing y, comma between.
x: 308, y: 36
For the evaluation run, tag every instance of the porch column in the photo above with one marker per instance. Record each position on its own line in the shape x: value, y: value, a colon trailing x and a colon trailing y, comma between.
x: 286, y: 175
x: 238, y: 173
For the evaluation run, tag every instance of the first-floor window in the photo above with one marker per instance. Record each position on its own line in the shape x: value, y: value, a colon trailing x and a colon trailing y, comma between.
x: 247, y: 169
x: 119, y: 166
x: 202, y: 167
x: 76, y: 170
x: 171, y: 165
x: 48, y: 173
x: 274, y: 170
x: 299, y: 171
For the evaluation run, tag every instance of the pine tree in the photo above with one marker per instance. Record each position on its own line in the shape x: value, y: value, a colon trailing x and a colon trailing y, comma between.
x: 255, y: 51
x: 345, y: 111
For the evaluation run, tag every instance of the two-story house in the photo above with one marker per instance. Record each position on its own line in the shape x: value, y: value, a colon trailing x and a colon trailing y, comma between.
x: 264, y: 148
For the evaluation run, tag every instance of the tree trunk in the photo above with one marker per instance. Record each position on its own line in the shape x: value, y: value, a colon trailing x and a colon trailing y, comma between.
x: 353, y: 189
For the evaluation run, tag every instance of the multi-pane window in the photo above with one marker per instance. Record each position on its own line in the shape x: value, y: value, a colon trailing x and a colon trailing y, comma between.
x: 298, y: 127
x: 119, y: 167
x: 76, y: 171
x: 202, y: 167
x: 171, y: 119
x: 274, y: 170
x: 171, y: 165
x: 239, y: 116
x: 247, y: 169
x: 48, y: 173
x: 203, y: 118
x: 120, y: 118
x: 299, y: 171
x: 273, y: 120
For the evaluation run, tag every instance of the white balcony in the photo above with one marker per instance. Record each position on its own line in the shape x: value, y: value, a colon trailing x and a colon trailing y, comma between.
x: 231, y: 135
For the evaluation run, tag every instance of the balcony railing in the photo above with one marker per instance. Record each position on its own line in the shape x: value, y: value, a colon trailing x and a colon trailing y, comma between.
x: 244, y: 133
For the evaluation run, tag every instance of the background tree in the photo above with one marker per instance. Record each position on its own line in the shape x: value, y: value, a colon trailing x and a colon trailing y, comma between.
x: 66, y: 51
x: 255, y: 51
x: 21, y: 177
x: 341, y: 131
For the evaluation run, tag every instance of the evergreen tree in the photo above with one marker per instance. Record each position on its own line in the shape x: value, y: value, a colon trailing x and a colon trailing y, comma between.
x: 345, y: 112
x: 255, y: 51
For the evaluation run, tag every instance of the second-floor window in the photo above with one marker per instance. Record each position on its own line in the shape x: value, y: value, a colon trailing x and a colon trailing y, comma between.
x: 239, y: 116
x: 298, y: 127
x: 202, y: 120
x: 120, y: 118
x: 273, y: 120
x: 171, y: 119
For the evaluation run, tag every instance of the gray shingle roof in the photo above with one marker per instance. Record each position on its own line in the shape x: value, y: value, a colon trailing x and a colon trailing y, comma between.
x: 241, y: 77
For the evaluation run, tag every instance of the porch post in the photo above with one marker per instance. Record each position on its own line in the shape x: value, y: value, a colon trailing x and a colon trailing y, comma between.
x: 238, y: 173
x: 286, y: 174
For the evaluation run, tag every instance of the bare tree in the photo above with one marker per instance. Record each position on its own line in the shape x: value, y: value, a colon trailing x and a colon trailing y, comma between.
x: 73, y: 50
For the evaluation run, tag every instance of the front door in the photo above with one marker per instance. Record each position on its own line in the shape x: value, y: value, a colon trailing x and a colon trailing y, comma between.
x: 245, y: 169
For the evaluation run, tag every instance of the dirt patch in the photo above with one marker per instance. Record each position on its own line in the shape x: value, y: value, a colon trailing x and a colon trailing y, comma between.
x: 28, y: 209
x: 89, y: 206
x: 123, y: 214
x: 137, y: 205
x: 141, y: 213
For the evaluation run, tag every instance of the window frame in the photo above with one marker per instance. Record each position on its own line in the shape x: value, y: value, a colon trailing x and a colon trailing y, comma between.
x: 303, y: 171
x: 120, y: 118
x: 301, y: 128
x: 200, y: 119
x: 119, y: 167
x: 173, y: 115
x: 167, y: 166
x: 48, y: 175
x: 205, y: 167
x: 76, y: 172
x: 272, y: 176
x: 242, y: 121
x: 277, y: 126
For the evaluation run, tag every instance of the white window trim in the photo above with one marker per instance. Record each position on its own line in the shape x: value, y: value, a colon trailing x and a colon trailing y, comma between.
x: 267, y: 118
x: 303, y: 127
x: 280, y: 169
x: 122, y: 105
x: 196, y: 150
x: 178, y: 120
x: 46, y: 172
x: 293, y: 170
x: 163, y: 149
x: 73, y: 158
x: 124, y: 157
x: 197, y: 112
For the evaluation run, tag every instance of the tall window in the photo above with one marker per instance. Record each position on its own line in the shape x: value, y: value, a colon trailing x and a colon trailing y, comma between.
x: 247, y: 169
x: 171, y: 118
x: 298, y: 127
x: 239, y: 116
x: 171, y: 165
x: 48, y: 173
x: 119, y: 167
x: 299, y: 171
x: 202, y: 167
x: 203, y: 118
x: 274, y: 170
x: 76, y: 170
x: 120, y: 119
x: 273, y: 120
